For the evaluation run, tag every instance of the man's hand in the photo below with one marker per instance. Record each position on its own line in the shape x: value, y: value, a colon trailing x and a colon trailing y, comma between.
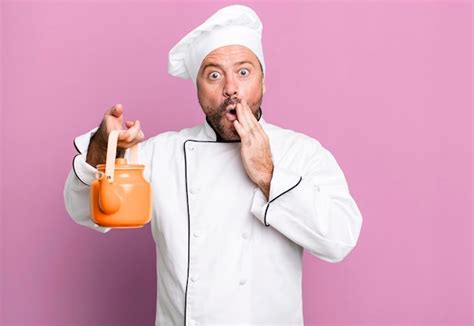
x: 255, y: 148
x: 113, y: 119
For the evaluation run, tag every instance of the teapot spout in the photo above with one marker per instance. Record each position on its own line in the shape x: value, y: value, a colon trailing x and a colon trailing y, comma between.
x: 109, y: 200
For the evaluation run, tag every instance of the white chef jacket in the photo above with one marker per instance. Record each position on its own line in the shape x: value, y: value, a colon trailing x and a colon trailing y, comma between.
x: 226, y: 255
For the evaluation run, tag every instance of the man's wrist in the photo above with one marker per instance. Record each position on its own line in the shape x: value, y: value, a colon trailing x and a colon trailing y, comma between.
x: 264, y: 185
x: 99, y: 139
x: 98, y: 147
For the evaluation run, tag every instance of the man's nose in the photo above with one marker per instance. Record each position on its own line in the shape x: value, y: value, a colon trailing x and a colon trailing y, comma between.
x: 231, y: 88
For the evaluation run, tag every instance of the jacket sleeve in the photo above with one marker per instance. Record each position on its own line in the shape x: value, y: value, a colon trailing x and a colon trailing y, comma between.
x: 312, y: 206
x: 77, y: 185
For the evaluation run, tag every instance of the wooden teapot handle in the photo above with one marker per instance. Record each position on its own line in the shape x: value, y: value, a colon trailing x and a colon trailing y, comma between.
x: 112, y: 152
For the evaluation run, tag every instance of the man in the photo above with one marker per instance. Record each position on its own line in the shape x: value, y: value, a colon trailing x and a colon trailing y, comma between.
x: 235, y: 199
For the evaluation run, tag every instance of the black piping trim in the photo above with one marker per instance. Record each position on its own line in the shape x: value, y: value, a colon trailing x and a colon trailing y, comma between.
x: 79, y: 153
x: 77, y: 148
x: 268, y: 205
x: 187, y: 208
x: 189, y: 230
x: 75, y: 145
x: 218, y: 140
x: 74, y: 169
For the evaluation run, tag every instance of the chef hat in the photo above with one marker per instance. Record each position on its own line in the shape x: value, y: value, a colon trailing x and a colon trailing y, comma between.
x: 232, y: 25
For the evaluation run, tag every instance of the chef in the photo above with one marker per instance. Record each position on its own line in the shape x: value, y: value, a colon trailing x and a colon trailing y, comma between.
x: 236, y: 199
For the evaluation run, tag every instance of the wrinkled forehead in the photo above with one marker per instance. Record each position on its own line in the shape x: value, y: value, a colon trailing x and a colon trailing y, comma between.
x: 230, y: 55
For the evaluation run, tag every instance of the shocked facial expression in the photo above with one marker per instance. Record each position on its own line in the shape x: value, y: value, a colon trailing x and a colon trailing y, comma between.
x: 226, y: 76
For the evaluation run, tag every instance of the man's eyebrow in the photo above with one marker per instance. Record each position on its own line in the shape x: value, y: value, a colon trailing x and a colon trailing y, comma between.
x: 242, y: 62
x: 215, y: 64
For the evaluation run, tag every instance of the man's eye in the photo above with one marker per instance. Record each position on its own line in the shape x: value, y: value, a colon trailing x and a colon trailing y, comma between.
x: 244, y: 72
x: 214, y: 75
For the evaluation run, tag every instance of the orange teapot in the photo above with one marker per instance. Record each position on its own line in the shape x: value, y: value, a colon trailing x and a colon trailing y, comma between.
x: 120, y: 197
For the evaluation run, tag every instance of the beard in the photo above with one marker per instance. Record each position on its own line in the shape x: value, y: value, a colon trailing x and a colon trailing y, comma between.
x: 216, y: 117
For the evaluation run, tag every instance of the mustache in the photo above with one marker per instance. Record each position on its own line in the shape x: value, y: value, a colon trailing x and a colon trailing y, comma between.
x: 230, y: 101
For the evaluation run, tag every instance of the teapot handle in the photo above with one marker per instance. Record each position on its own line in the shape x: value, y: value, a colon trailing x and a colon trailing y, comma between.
x: 112, y: 152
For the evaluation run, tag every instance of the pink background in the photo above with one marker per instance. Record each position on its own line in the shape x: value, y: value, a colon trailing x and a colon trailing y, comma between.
x: 384, y: 85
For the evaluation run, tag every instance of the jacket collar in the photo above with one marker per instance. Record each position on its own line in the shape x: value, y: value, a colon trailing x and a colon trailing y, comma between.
x: 210, y: 134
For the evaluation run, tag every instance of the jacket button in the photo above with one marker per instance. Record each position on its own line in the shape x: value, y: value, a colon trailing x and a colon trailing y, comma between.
x: 242, y: 281
x: 196, y: 234
x: 245, y: 235
x: 194, y: 278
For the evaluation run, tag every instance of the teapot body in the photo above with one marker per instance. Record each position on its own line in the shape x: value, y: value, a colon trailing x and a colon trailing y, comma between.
x: 131, y: 193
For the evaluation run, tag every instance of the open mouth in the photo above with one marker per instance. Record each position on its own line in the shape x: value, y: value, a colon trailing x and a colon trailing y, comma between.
x: 231, y: 114
x: 230, y: 109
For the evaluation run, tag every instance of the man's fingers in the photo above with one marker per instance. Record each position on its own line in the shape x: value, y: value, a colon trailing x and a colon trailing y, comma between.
x: 241, y: 116
x: 133, y: 134
x: 238, y: 127
x: 134, y: 130
x: 244, y: 116
x: 118, y: 110
x: 115, y: 110
x: 243, y: 133
x: 249, y: 114
x: 124, y: 134
x: 251, y: 118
